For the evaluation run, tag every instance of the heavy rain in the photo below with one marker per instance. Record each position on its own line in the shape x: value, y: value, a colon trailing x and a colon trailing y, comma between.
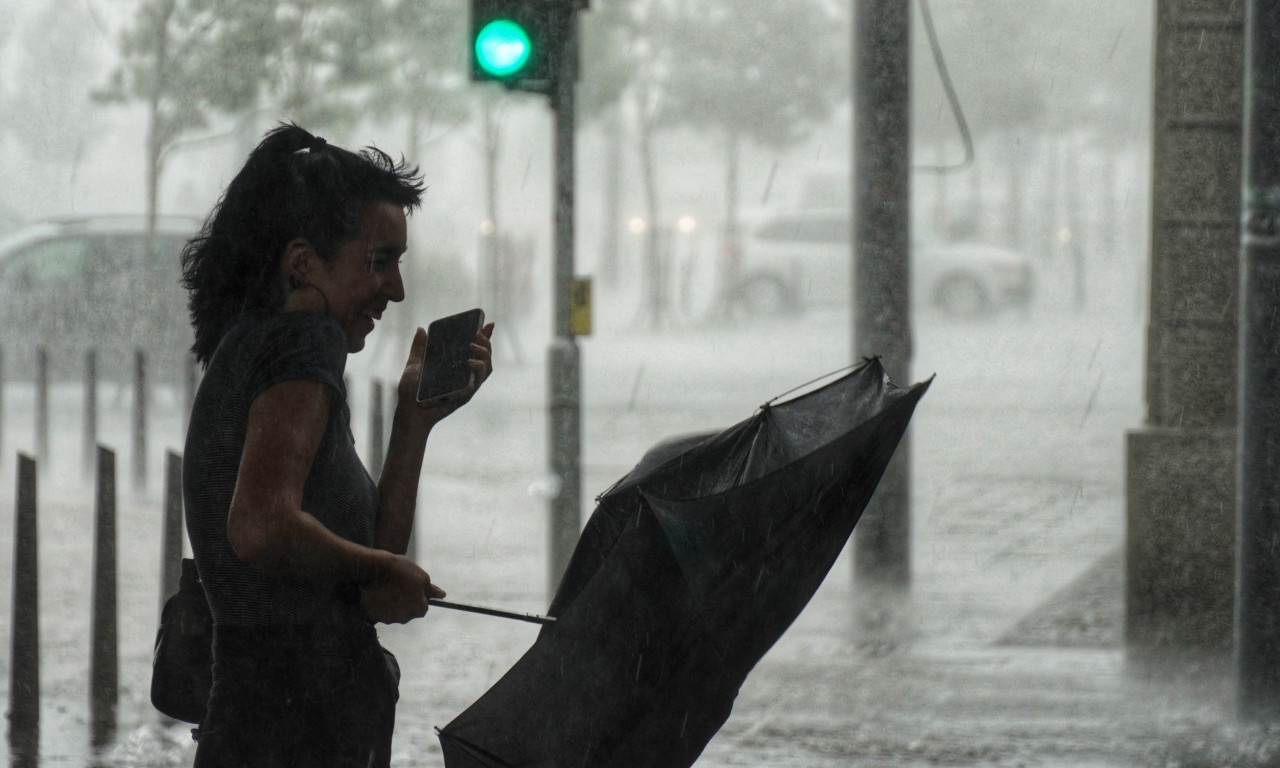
x: 1046, y: 574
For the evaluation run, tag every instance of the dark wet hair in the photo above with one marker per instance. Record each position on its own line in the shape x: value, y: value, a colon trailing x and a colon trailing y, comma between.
x: 294, y: 184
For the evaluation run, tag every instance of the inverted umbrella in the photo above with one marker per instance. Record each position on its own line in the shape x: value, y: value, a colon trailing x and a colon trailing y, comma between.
x: 688, y: 571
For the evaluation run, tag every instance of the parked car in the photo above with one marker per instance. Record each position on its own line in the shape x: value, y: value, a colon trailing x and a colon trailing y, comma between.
x: 793, y: 259
x: 72, y: 284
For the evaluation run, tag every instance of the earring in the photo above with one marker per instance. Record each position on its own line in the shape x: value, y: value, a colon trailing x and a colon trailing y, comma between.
x: 295, y: 283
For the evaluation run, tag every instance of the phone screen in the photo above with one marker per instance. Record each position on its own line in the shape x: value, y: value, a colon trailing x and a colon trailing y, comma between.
x: 444, y: 366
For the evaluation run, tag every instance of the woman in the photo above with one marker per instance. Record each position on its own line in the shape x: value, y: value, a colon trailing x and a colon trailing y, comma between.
x: 299, y: 551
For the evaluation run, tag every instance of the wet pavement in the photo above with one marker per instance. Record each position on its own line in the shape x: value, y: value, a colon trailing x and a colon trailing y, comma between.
x: 1005, y: 650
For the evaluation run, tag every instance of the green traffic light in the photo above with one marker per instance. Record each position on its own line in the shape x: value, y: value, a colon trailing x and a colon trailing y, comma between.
x: 503, y: 48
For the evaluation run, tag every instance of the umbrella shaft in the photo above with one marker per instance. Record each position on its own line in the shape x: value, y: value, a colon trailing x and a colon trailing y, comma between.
x: 487, y: 611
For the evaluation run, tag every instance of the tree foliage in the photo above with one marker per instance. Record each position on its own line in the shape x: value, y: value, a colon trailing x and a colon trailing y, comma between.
x: 606, y: 61
x: 49, y: 111
x: 770, y: 70
x: 731, y: 69
x: 1066, y: 64
x: 425, y: 75
x: 189, y: 59
x: 426, y: 49
x: 322, y: 63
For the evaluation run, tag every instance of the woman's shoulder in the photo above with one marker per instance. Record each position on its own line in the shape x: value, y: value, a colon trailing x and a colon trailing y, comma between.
x: 285, y: 329
x: 283, y: 340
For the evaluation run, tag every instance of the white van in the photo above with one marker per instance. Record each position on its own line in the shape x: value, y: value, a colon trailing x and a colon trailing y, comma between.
x: 790, y: 260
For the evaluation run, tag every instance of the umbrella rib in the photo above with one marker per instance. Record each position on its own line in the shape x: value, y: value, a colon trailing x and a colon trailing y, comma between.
x: 776, y: 398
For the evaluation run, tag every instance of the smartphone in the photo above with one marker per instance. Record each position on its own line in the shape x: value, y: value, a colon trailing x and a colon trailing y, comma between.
x: 445, y: 376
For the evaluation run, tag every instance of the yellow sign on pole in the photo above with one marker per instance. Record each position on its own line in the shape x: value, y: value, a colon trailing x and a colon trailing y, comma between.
x: 580, y: 307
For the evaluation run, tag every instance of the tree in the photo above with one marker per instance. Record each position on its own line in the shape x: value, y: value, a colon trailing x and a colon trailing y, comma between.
x: 425, y: 77
x: 739, y: 77
x: 49, y: 112
x: 717, y: 65
x: 188, y: 59
x: 331, y: 59
x: 424, y: 80
x: 1048, y: 89
x: 313, y: 60
x: 607, y: 73
x: 47, y: 109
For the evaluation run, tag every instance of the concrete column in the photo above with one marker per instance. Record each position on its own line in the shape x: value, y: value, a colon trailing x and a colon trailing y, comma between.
x: 1181, y: 465
x: 882, y: 296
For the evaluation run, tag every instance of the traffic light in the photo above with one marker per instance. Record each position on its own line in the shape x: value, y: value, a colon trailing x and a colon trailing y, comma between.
x: 517, y: 42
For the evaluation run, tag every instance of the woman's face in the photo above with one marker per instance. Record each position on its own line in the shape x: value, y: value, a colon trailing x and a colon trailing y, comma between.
x: 364, y: 275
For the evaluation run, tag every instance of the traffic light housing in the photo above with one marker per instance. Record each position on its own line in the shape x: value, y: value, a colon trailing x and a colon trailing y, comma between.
x: 517, y: 42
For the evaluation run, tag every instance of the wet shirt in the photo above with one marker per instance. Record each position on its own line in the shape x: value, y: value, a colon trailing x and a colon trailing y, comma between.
x: 256, y: 354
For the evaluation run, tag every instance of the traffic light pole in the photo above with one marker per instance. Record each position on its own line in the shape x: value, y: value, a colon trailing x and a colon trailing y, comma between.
x: 1257, y: 609
x: 563, y: 360
x: 882, y: 157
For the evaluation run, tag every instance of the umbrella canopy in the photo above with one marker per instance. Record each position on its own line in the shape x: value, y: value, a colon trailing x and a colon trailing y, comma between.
x: 690, y: 568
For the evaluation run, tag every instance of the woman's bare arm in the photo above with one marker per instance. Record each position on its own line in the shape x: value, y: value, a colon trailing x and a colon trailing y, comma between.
x: 410, y: 428
x: 268, y: 527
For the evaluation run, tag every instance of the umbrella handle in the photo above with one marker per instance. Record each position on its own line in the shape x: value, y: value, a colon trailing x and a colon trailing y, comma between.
x: 532, y: 618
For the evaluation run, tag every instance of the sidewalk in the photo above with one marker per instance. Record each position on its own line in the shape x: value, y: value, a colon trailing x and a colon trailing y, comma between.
x: 1005, y: 652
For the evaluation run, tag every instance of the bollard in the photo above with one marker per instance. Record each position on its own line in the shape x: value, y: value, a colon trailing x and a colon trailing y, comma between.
x: 42, y: 409
x: 376, y: 442
x: 171, y: 544
x: 139, y: 420
x: 24, y: 666
x: 89, y: 443
x: 24, y: 640
x: 104, y: 645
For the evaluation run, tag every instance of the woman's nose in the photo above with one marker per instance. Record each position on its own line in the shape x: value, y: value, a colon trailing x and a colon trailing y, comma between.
x: 393, y: 286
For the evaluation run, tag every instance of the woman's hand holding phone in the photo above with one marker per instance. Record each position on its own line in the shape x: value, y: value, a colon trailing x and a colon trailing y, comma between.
x: 443, y: 373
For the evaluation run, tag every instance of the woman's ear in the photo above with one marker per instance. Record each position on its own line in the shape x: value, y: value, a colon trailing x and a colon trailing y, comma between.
x: 298, y: 261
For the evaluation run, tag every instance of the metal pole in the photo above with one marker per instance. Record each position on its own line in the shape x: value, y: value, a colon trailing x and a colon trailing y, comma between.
x: 90, y: 439
x: 1257, y: 612
x: 24, y: 659
x: 43, y: 459
x: 104, y: 675
x: 881, y: 160
x: 140, y: 420
x: 563, y: 362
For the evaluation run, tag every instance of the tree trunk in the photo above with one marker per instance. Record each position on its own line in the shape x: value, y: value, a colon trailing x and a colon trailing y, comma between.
x: 490, y: 233
x: 975, y: 207
x: 731, y: 251
x: 157, y: 137
x: 653, y: 289
x: 609, y: 256
x: 408, y: 318
x: 941, y: 212
x: 1075, y: 225
x: 1015, y: 208
x: 1052, y: 203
